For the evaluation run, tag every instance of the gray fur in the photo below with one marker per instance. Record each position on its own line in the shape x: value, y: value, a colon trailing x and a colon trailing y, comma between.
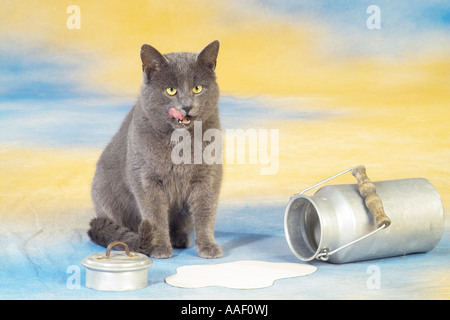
x: 140, y: 196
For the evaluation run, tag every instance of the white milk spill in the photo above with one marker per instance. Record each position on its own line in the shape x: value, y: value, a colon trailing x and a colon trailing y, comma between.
x: 238, y: 274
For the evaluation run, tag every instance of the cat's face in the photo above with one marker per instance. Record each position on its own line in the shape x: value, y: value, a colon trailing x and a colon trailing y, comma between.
x: 179, y: 88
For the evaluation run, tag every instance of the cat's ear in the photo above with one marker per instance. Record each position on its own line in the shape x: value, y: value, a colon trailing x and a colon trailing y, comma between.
x: 152, y: 60
x: 208, y: 56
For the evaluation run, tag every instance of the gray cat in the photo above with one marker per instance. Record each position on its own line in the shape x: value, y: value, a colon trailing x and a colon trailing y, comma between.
x: 140, y: 196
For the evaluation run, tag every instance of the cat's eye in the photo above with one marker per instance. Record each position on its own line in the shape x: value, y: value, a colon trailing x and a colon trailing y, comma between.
x: 197, y: 89
x: 171, y: 91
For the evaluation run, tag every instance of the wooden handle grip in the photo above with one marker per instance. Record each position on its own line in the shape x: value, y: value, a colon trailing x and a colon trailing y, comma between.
x: 372, y: 199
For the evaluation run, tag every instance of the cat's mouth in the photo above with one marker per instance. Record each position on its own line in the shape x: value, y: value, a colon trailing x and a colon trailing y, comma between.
x: 175, y: 114
x: 186, y: 120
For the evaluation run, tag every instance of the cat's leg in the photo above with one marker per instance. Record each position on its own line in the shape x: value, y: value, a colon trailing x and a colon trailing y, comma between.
x: 153, y: 206
x: 203, y: 203
x: 180, y: 227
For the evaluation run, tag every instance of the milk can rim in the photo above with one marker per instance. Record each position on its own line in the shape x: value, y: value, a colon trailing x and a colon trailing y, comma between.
x: 291, y: 246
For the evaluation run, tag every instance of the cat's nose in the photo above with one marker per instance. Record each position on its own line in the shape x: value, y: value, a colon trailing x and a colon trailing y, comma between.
x: 186, y: 108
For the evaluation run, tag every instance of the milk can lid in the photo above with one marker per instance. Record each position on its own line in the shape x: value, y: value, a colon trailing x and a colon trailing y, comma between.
x: 117, y: 261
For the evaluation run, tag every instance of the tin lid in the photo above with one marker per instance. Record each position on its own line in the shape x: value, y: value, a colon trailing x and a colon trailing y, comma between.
x: 117, y: 261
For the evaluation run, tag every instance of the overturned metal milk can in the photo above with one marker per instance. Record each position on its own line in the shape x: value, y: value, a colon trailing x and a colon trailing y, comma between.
x: 116, y: 271
x: 355, y: 222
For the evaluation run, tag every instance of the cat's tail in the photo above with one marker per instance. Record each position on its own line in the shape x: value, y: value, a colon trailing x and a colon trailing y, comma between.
x: 104, y: 231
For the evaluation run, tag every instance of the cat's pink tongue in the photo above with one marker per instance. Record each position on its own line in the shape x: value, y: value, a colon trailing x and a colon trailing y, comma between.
x: 174, y: 113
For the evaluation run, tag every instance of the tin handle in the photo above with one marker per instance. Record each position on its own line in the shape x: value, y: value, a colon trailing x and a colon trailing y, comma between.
x: 372, y: 199
x: 112, y: 244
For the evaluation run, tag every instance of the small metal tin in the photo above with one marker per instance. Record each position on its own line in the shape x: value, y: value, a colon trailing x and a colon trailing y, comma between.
x: 116, y: 271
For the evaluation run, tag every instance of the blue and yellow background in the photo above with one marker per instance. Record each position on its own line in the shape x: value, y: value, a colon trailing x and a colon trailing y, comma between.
x: 339, y: 93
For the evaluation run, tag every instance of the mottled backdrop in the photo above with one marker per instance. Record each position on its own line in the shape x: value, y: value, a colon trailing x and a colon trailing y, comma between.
x: 342, y: 82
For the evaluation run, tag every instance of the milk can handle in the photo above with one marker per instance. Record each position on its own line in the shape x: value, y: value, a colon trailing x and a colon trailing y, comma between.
x: 368, y: 192
x: 372, y: 199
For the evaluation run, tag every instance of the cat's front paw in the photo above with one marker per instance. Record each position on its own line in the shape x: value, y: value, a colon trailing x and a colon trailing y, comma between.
x: 209, y: 251
x: 161, y: 252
